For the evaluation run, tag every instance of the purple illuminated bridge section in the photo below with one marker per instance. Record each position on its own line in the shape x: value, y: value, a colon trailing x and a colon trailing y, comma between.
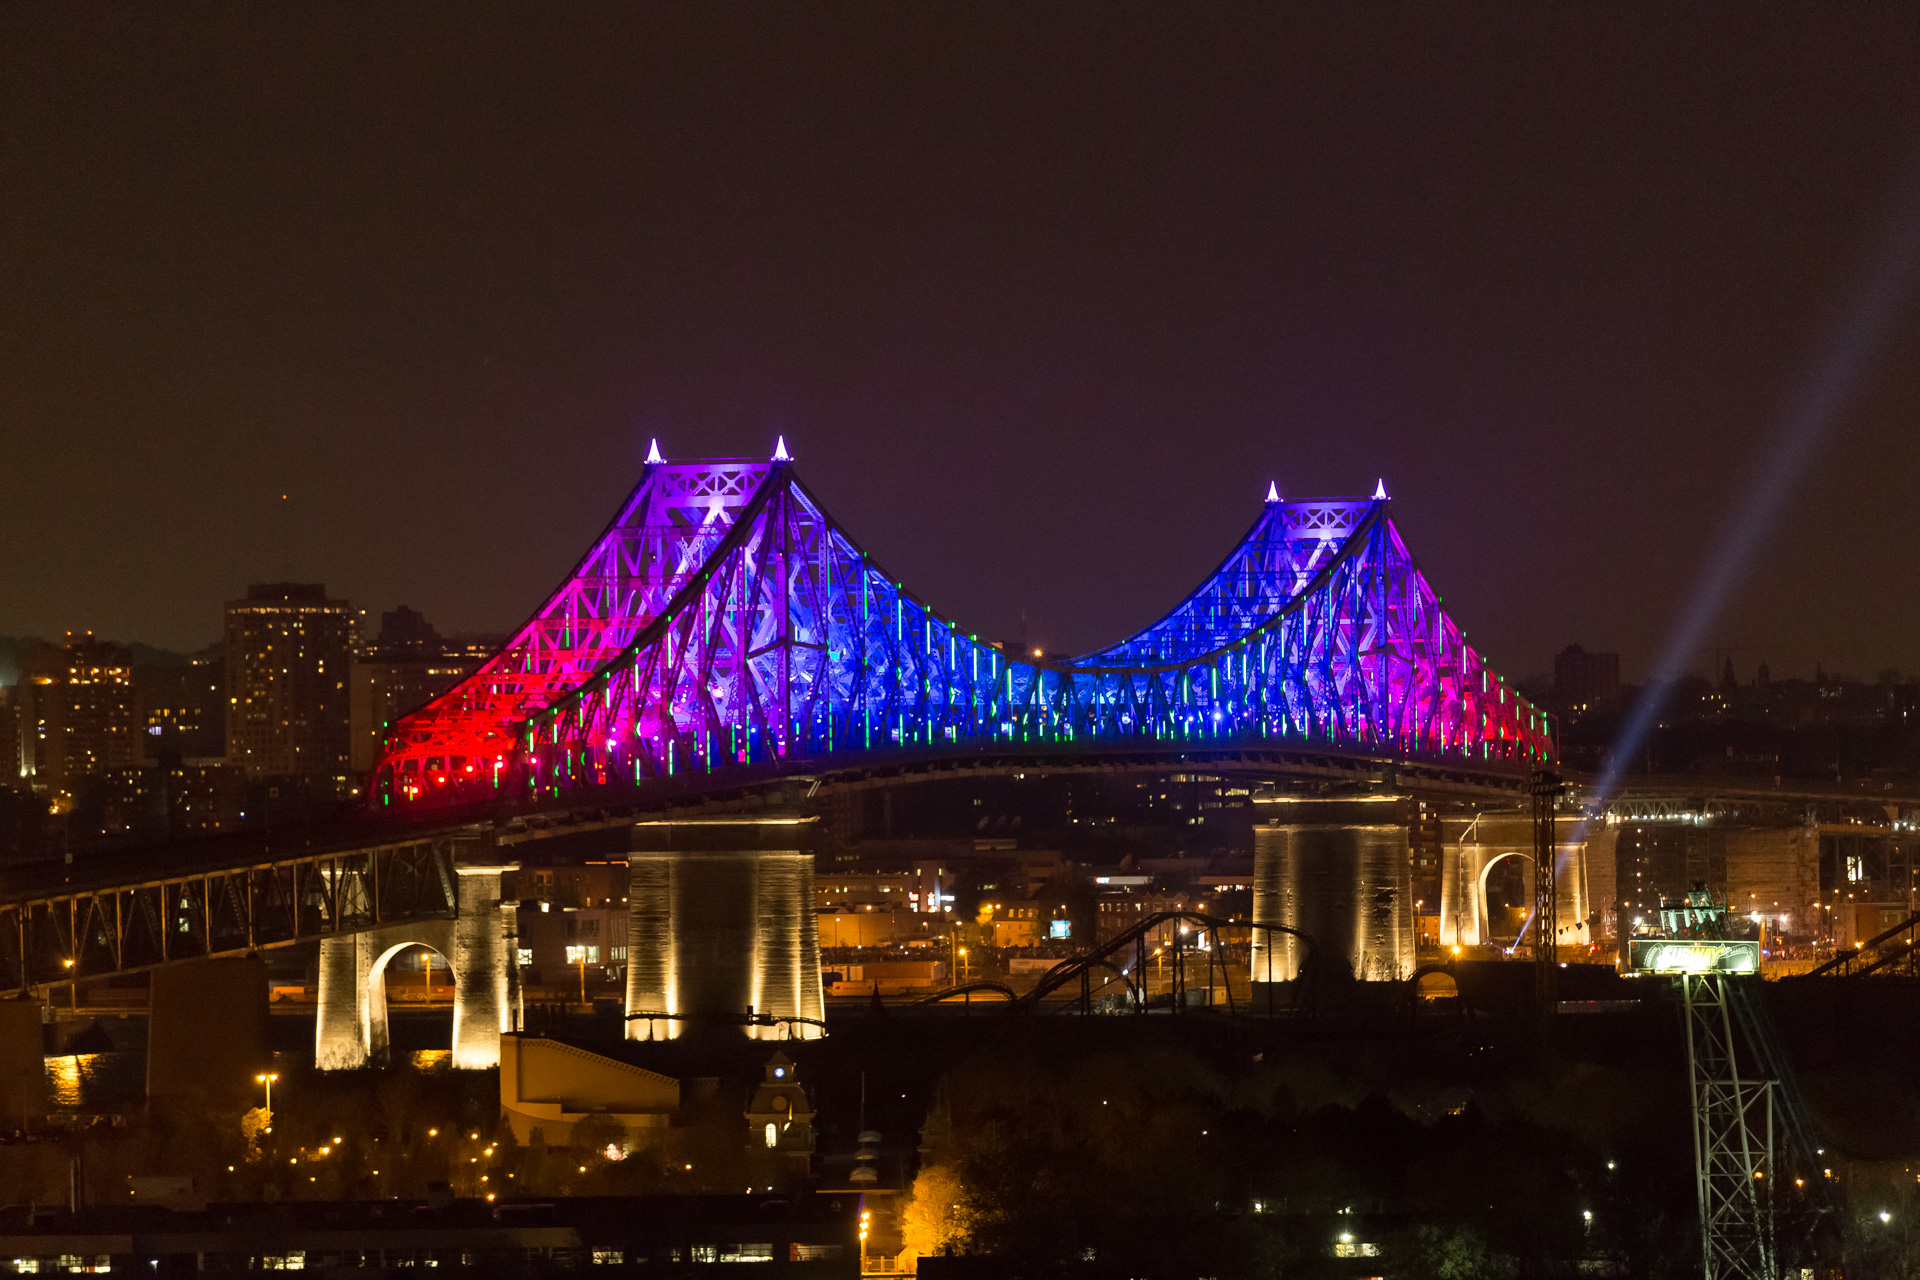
x: 724, y: 622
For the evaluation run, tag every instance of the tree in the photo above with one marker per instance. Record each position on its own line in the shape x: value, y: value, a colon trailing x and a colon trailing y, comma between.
x: 1446, y: 1253
x: 936, y: 1218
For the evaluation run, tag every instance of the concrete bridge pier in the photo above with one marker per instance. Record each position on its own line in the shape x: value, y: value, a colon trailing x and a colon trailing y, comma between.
x: 23, y: 1065
x: 1473, y: 846
x: 480, y: 945
x: 208, y: 1032
x: 1338, y: 870
x: 722, y: 935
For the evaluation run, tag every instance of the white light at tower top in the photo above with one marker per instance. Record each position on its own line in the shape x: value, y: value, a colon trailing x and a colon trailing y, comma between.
x: 1380, y: 491
x: 653, y: 453
x: 780, y: 450
x: 1273, y: 491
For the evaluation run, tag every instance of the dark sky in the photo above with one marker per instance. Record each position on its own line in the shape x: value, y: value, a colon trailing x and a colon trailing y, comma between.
x: 1041, y: 297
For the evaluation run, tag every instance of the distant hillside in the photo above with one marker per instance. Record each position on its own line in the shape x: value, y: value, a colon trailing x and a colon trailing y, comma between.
x: 144, y: 655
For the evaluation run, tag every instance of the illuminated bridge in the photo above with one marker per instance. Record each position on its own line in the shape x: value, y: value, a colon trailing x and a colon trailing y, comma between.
x: 725, y: 626
x: 724, y: 632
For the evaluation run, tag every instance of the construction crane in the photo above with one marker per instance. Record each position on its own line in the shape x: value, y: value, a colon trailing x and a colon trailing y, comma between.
x: 1746, y: 1102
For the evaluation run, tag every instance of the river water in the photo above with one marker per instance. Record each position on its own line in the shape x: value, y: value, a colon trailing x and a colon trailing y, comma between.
x: 115, y: 1080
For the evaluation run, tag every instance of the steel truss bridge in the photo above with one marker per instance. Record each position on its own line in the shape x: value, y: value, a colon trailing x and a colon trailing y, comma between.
x: 123, y: 924
x: 725, y: 626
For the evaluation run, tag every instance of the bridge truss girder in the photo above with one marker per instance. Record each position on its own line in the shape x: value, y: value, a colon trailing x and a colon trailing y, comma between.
x: 788, y: 644
x: 96, y: 932
x: 664, y: 532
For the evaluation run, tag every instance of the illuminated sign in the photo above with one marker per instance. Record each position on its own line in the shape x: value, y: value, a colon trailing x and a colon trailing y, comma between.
x: 1670, y: 955
x: 1059, y: 928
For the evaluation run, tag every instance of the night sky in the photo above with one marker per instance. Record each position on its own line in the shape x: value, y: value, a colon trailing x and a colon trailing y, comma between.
x: 1041, y: 298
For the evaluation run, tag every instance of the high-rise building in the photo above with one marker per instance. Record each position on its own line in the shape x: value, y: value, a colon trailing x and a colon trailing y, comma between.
x: 73, y: 715
x: 1585, y: 681
x: 407, y: 666
x: 38, y: 713
x: 179, y: 798
x: 289, y: 651
x: 182, y: 711
x: 99, y: 729
x: 10, y: 775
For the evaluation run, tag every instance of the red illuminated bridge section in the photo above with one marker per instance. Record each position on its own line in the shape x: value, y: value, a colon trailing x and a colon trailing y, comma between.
x: 724, y: 622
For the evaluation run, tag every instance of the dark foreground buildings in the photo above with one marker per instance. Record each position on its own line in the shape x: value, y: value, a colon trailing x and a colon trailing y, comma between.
x: 808, y: 1237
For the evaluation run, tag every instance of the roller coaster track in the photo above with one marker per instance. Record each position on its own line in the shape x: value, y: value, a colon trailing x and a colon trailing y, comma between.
x: 1136, y: 937
x: 1878, y: 953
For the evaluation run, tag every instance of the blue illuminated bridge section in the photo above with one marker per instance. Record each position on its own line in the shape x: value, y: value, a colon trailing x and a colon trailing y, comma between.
x: 724, y: 623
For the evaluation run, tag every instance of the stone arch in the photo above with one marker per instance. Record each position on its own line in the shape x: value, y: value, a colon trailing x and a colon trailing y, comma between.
x: 1482, y: 909
x: 480, y: 945
x: 374, y: 1009
x: 1472, y: 844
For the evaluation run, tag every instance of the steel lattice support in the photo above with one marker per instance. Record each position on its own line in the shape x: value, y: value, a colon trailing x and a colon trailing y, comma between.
x: 751, y: 631
x: 1546, y: 788
x: 1732, y: 1139
x: 231, y: 911
x: 664, y: 533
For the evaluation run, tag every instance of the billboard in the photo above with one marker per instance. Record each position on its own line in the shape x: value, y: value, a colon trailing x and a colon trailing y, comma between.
x: 1693, y: 955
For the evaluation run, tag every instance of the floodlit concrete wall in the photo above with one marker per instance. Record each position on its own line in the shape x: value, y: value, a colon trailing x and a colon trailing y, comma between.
x: 1471, y: 847
x: 486, y: 969
x: 722, y: 925
x: 1602, y: 858
x: 480, y: 945
x: 1348, y: 885
x: 1776, y: 872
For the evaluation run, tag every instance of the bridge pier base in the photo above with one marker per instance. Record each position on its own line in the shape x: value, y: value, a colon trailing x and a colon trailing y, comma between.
x: 722, y: 935
x: 23, y: 1064
x: 1471, y: 848
x: 207, y: 1034
x: 481, y: 948
x: 1334, y: 870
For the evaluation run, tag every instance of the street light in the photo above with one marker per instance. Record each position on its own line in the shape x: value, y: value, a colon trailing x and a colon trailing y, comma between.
x: 267, y: 1079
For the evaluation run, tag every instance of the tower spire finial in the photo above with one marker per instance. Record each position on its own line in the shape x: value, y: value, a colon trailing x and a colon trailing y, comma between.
x: 1380, y: 491
x: 780, y: 450
x: 653, y: 453
x: 1273, y: 491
